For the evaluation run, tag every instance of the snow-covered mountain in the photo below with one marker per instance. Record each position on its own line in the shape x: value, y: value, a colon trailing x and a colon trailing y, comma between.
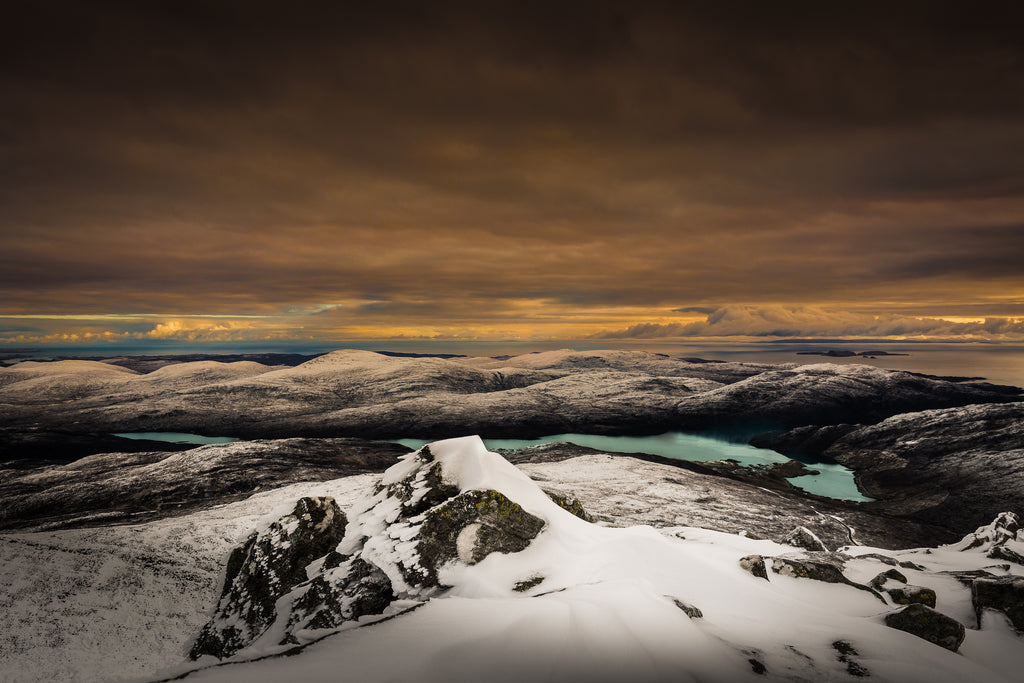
x: 454, y: 565
x: 369, y: 395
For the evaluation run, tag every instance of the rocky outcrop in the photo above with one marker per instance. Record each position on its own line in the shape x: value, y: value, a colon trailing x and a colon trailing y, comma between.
x: 310, y: 571
x: 1003, y: 539
x: 469, y: 527
x: 926, y: 623
x: 956, y: 467
x: 265, y: 568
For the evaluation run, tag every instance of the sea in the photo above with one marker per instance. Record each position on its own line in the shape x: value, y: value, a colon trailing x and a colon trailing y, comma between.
x: 994, y: 362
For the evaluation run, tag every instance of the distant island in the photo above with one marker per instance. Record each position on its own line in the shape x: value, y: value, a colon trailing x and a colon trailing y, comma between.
x: 837, y: 353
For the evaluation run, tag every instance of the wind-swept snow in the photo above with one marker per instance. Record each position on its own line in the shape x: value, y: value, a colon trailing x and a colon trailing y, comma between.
x: 599, y: 603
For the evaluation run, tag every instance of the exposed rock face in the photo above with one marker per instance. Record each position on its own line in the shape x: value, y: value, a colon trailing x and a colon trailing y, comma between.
x: 926, y: 623
x: 266, y: 567
x: 469, y: 527
x: 311, y: 571
x: 956, y: 467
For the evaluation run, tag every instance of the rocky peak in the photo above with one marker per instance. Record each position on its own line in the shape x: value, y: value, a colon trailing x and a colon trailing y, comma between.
x: 310, y: 571
x: 1002, y: 539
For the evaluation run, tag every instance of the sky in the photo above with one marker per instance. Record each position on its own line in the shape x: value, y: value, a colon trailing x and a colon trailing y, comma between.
x: 229, y: 171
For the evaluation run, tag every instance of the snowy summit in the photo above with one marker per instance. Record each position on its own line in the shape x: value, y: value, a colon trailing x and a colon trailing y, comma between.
x: 456, y: 566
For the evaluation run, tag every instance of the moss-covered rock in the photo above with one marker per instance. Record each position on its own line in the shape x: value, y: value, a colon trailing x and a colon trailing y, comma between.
x: 574, y: 506
x: 469, y: 527
x: 926, y: 623
x: 911, y: 595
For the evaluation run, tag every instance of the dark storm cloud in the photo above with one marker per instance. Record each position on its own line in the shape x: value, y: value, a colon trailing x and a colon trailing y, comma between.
x: 233, y: 156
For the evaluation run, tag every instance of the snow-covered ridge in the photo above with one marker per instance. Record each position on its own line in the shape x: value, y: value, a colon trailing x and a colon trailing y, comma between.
x: 513, y: 584
x: 360, y: 393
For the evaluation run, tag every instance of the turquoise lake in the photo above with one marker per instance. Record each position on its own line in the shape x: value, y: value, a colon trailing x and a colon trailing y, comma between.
x: 834, y: 481
x: 176, y: 437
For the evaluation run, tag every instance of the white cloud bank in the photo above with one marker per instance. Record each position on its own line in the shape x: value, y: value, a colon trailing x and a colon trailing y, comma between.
x: 811, y: 321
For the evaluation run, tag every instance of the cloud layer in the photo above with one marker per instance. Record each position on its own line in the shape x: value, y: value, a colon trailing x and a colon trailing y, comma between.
x: 807, y: 321
x: 514, y: 168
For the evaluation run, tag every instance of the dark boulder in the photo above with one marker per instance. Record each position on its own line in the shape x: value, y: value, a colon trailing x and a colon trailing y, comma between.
x: 1003, y: 593
x: 926, y: 623
x: 888, y: 575
x: 911, y: 595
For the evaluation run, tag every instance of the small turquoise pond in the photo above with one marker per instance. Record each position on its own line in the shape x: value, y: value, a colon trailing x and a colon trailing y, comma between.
x: 176, y: 437
x: 835, y: 481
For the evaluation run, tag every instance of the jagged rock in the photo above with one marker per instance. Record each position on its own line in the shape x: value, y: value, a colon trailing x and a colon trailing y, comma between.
x: 802, y: 537
x: 265, y: 568
x: 690, y: 610
x: 829, y: 571
x: 911, y: 595
x: 310, y: 570
x: 926, y: 623
x: 527, y: 584
x: 1003, y: 593
x: 754, y: 564
x: 1003, y: 553
x: 888, y: 575
x: 999, y: 540
x: 998, y: 533
x: 353, y: 589
x: 469, y: 527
